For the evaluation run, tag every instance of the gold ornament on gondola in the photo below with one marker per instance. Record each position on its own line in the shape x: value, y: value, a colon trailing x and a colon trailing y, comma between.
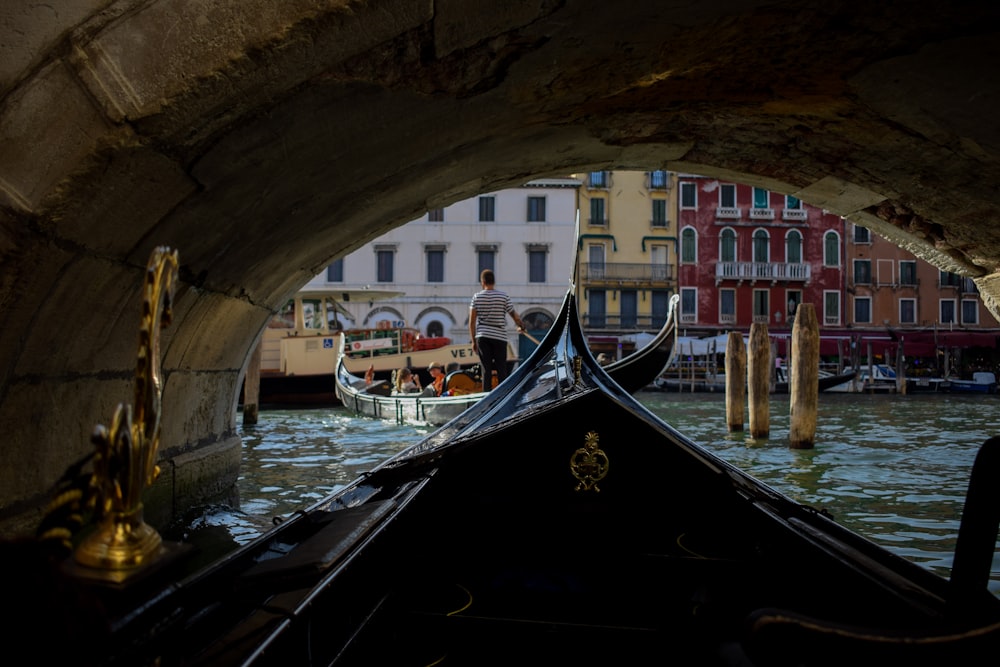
x: 126, y: 451
x: 589, y: 464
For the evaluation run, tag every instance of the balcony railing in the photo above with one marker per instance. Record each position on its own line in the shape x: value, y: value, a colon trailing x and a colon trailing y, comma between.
x: 762, y: 271
x: 728, y: 213
x: 794, y: 214
x: 762, y: 214
x: 619, y: 323
x: 625, y: 273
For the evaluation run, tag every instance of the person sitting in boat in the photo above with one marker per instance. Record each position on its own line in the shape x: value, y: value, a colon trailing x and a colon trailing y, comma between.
x: 436, y: 387
x: 407, y: 382
x: 370, y: 374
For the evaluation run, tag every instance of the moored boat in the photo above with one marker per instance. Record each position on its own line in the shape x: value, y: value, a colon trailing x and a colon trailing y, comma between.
x: 873, y: 379
x: 982, y: 382
x: 826, y: 381
x: 556, y: 520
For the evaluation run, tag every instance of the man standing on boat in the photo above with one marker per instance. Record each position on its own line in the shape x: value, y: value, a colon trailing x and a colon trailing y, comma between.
x: 488, y: 328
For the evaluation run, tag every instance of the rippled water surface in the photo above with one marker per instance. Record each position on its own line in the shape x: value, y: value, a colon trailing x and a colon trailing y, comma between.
x: 893, y: 468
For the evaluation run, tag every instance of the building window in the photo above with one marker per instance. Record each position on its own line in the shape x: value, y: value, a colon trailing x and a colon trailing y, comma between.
x: 595, y: 261
x: 384, y: 260
x: 689, y: 196
x: 660, y: 307
x: 862, y: 234
x: 629, y: 308
x: 536, y: 265
x: 658, y: 263
x: 598, y: 179
x: 970, y: 311
x: 335, y: 272
x: 792, y: 203
x: 727, y: 195
x: 597, y: 211
x: 907, y: 311
x: 793, y: 247
x: 862, y: 272
x: 831, y: 249
x: 947, y: 311
x: 862, y: 310
x: 597, y: 307
x: 689, y: 246
x: 435, y: 265
x: 435, y: 215
x: 486, y: 259
x: 658, y: 180
x: 949, y: 279
x: 659, y: 212
x: 761, y: 305
x: 793, y: 301
x: 831, y: 308
x: 761, y: 247
x: 487, y: 209
x: 689, y: 304
x: 435, y: 329
x: 727, y: 245
x: 907, y: 273
x: 536, y: 209
x: 761, y: 198
x: 727, y: 306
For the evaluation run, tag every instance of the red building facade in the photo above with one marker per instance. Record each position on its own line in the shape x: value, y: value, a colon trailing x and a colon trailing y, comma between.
x: 750, y: 255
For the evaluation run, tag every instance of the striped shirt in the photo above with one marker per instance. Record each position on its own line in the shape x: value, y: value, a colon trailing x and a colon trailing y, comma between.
x: 492, y: 307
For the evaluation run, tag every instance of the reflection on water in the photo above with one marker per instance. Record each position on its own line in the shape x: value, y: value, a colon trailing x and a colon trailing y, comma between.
x: 893, y: 468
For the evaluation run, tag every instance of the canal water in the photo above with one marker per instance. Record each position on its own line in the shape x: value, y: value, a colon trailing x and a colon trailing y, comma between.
x: 893, y: 468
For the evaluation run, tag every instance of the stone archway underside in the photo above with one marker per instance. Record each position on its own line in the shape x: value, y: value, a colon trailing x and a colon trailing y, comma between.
x: 264, y: 139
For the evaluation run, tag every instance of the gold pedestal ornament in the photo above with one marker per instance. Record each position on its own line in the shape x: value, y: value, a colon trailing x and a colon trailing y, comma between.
x: 126, y: 452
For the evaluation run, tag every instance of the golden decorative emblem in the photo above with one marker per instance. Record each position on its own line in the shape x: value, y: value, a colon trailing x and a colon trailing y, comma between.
x: 589, y: 464
x: 126, y: 451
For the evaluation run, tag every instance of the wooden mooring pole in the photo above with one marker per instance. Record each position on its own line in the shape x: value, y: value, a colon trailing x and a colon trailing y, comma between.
x: 803, y: 389
x: 759, y: 366
x: 251, y: 387
x: 736, y: 381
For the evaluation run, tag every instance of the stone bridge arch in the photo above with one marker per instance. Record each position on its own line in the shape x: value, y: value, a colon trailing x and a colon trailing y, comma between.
x: 264, y: 139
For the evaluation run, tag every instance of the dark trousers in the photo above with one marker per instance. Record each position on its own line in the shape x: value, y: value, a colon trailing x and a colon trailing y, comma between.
x: 492, y: 357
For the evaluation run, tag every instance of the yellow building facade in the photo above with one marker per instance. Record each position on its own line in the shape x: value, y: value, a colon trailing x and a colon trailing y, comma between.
x: 627, y: 253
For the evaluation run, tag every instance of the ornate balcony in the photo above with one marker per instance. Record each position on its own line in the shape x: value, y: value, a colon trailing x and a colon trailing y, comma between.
x: 762, y: 214
x: 754, y: 271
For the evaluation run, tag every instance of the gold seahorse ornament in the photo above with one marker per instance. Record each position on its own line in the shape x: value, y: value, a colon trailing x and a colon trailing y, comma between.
x: 126, y: 451
x: 589, y: 464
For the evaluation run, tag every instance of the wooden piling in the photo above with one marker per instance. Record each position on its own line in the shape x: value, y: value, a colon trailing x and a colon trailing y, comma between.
x: 736, y: 381
x: 900, y: 369
x: 803, y: 389
x: 251, y: 387
x: 759, y: 366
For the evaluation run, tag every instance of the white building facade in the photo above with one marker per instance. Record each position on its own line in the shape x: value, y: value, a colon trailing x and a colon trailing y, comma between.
x: 525, y: 234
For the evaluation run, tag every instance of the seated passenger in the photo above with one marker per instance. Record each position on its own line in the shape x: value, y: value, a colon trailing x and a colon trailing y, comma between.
x: 436, y: 386
x: 406, y: 382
